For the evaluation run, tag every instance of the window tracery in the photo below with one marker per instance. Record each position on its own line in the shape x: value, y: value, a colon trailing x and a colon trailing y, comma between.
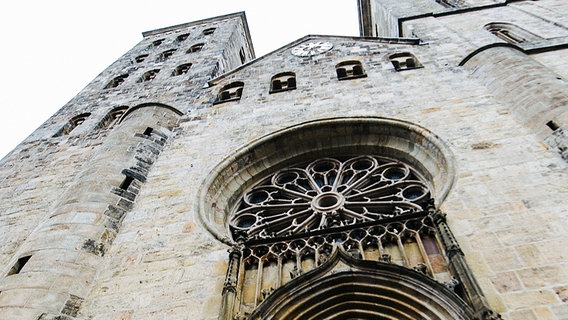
x: 116, y: 81
x: 328, y: 193
x: 149, y: 75
x: 196, y: 48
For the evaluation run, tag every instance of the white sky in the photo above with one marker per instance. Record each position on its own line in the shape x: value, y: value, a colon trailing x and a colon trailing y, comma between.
x: 52, y: 49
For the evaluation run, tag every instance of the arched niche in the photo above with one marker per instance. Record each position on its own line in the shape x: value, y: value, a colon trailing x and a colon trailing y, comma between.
x: 396, y: 139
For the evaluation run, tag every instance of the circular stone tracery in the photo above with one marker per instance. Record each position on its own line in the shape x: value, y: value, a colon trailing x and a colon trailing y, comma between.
x: 328, y: 193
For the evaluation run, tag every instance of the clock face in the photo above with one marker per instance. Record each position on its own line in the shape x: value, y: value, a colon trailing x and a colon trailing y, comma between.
x: 311, y: 48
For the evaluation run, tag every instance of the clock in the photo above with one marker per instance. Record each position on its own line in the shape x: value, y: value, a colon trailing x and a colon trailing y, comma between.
x: 311, y: 48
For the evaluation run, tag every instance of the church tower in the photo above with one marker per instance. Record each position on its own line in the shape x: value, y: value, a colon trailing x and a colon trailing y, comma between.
x: 415, y: 172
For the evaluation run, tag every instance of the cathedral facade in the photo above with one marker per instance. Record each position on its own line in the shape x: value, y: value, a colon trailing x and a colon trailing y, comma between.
x: 418, y: 171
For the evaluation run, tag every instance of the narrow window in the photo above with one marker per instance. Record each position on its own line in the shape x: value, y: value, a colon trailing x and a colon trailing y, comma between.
x: 182, y: 37
x: 404, y: 61
x: 112, y: 118
x: 72, y: 124
x: 19, y: 265
x: 149, y: 75
x: 166, y: 54
x: 283, y: 82
x: 157, y: 43
x: 242, y: 55
x: 116, y: 81
x: 230, y: 92
x: 349, y: 70
x: 141, y: 58
x: 181, y: 69
x: 511, y: 33
x: 195, y: 48
x: 209, y: 31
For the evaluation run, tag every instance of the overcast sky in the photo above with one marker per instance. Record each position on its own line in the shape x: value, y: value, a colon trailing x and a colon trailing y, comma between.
x: 52, y: 49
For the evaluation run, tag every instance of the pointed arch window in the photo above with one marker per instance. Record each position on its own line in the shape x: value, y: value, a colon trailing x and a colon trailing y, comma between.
x: 404, y: 61
x: 72, y: 124
x: 181, y: 69
x: 230, y: 92
x: 327, y: 205
x: 196, y: 48
x: 511, y: 33
x: 350, y: 70
x: 116, y: 81
x: 283, y: 82
x: 149, y: 75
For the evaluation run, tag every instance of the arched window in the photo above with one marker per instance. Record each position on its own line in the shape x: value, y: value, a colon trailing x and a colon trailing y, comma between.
x: 182, y: 37
x: 112, y: 118
x: 181, y: 69
x: 166, y: 54
x: 282, y: 82
x: 149, y: 75
x: 325, y: 227
x: 230, y: 92
x: 451, y: 3
x: 511, y: 33
x: 72, y: 124
x: 196, y: 48
x: 141, y: 58
x: 157, y: 43
x: 404, y: 61
x: 208, y: 31
x: 116, y: 81
x: 349, y: 70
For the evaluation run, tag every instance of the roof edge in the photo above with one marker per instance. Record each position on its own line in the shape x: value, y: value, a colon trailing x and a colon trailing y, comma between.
x: 240, y: 14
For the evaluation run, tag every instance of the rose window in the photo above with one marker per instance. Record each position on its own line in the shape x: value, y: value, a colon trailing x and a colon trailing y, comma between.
x: 329, y: 193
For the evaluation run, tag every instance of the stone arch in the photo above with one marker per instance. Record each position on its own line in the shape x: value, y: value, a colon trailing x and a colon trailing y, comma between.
x: 347, y: 288
x: 397, y: 139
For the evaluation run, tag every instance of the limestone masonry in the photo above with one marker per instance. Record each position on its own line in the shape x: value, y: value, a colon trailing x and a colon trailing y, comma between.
x: 419, y: 171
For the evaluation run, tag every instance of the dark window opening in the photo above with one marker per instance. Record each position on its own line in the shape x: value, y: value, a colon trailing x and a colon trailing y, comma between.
x: 552, y: 125
x: 126, y: 182
x: 404, y: 61
x: 242, y: 55
x: 209, y: 31
x: 149, y: 75
x: 112, y: 118
x: 349, y: 70
x: 141, y: 58
x: 19, y: 265
x: 157, y: 42
x: 116, y: 81
x: 283, y: 82
x: 230, y: 92
x: 511, y: 33
x: 182, y: 37
x: 195, y: 48
x: 148, y: 131
x: 166, y: 54
x: 72, y: 124
x: 181, y: 69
